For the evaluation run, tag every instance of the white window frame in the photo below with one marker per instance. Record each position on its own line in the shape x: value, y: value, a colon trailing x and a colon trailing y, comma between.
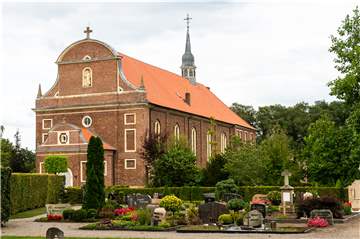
x: 177, y: 132
x: 125, y: 122
x: 81, y: 171
x: 125, y: 141
x: 42, y: 137
x: 43, y: 123
x: 40, y: 167
x: 83, y: 121
x: 125, y: 163
x: 208, y: 146
x: 246, y: 136
x: 105, y: 168
x: 193, y: 140
x: 67, y: 134
x: 157, y: 127
x: 223, y: 143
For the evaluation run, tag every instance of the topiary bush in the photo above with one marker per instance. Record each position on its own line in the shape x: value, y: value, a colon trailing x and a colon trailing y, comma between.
x: 68, y: 214
x: 225, y: 219
x: 56, y: 164
x: 73, y: 195
x: 171, y: 203
x: 306, y: 206
x: 274, y: 197
x: 79, y: 215
x: 225, y: 186
x: 236, y: 204
x: 5, y: 195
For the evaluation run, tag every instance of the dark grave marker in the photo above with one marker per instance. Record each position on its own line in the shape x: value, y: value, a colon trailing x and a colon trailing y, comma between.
x: 228, y: 196
x: 209, y: 197
x: 210, y: 212
x: 138, y: 200
x: 259, y: 207
x: 323, y: 213
x: 54, y: 232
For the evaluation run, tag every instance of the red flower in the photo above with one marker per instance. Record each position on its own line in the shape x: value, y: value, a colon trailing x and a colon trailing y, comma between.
x: 54, y: 217
x: 317, y: 222
x: 123, y: 211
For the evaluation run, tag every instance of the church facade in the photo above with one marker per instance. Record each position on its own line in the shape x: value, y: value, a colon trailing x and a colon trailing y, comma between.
x: 101, y: 92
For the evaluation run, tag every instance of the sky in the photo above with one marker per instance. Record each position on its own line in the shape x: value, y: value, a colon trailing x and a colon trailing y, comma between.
x: 251, y: 52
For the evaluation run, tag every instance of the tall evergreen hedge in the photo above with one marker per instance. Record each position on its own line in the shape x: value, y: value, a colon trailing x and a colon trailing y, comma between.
x: 5, y: 195
x: 94, y: 197
x: 31, y: 190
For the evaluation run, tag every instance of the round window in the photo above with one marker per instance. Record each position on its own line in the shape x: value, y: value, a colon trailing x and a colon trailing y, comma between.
x: 87, y: 121
x: 63, y: 138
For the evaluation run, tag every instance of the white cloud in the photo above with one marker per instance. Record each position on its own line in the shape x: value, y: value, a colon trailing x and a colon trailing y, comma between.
x: 255, y: 53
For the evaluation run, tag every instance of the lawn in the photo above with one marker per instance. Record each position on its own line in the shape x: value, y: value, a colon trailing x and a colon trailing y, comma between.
x: 30, y: 213
x: 16, y: 237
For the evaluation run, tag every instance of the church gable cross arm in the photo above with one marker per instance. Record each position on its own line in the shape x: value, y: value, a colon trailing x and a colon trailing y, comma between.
x: 286, y: 173
x: 88, y: 31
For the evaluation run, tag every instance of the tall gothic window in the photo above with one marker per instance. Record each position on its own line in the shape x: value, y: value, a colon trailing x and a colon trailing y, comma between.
x: 177, y: 132
x: 157, y: 127
x: 209, y: 145
x: 87, y: 77
x: 223, y: 142
x: 193, y: 140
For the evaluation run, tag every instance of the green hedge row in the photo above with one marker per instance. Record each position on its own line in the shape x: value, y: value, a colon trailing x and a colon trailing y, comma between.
x: 5, y: 194
x: 74, y: 194
x: 31, y: 190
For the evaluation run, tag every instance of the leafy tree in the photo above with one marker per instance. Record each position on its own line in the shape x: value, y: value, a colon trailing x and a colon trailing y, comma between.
x: 346, y: 47
x: 246, y: 112
x: 7, y: 150
x: 94, y: 197
x: 176, y: 167
x: 225, y: 186
x: 277, y: 156
x: 244, y: 162
x: 327, y: 152
x: 56, y: 164
x: 214, y: 171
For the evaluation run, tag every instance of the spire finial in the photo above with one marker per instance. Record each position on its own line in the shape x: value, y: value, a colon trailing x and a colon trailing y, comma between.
x: 187, y: 19
x: 142, y: 84
x: 88, y: 31
x: 39, y: 94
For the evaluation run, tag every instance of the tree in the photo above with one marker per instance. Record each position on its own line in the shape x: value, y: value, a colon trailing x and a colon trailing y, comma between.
x: 94, y: 197
x: 327, y: 152
x: 7, y: 150
x: 346, y: 47
x: 244, y: 162
x: 16, y: 163
x: 277, y: 156
x: 214, y: 171
x: 246, y: 112
x: 56, y: 164
x: 176, y: 167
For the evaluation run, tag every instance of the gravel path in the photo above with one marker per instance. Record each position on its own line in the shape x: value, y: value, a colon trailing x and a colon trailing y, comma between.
x: 27, y: 227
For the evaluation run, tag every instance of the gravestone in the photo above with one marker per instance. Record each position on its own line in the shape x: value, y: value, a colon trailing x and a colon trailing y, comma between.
x: 323, y: 213
x: 210, y: 212
x: 56, y: 209
x: 209, y: 197
x: 260, y: 198
x: 287, y: 195
x: 259, y: 207
x: 138, y: 200
x: 354, y: 195
x: 54, y: 232
x: 159, y: 215
x: 228, y: 196
x: 253, y: 218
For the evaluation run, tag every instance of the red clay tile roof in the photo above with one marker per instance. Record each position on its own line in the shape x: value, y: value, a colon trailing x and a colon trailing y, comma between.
x: 167, y: 89
x: 87, y: 135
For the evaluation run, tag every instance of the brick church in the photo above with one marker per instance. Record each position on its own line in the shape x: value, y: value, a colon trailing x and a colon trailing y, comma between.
x: 99, y: 91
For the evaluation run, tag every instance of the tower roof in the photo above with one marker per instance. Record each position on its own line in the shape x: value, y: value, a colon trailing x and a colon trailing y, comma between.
x: 188, y: 58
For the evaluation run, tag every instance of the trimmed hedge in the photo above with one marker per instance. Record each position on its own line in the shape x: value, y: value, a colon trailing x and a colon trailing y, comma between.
x: 31, y: 190
x: 5, y: 195
x: 195, y: 193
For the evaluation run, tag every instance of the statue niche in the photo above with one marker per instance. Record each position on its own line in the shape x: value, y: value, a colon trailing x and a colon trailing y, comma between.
x: 87, y: 77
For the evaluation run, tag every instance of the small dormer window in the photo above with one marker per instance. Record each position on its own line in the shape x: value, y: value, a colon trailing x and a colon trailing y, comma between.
x: 87, y: 121
x: 87, y: 77
x: 120, y: 89
x: 87, y: 58
x: 57, y: 94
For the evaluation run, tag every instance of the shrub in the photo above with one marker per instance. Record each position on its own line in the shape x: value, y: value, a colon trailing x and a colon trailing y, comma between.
x: 225, y: 219
x: 164, y: 224
x: 144, y: 216
x: 171, y: 203
x: 317, y: 222
x: 31, y: 190
x: 236, y: 204
x: 56, y: 164
x: 306, y: 206
x: 94, y: 188
x: 5, y: 195
x: 73, y: 195
x: 79, y: 215
x: 68, y: 214
x: 274, y: 197
x: 225, y: 186
x: 214, y: 171
x: 193, y: 215
x: 91, y: 213
x: 347, y: 208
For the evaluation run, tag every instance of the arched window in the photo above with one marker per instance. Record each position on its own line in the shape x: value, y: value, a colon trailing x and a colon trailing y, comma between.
x: 157, y: 127
x: 209, y: 145
x: 177, y: 132
x: 193, y: 140
x: 223, y: 142
x: 87, y: 77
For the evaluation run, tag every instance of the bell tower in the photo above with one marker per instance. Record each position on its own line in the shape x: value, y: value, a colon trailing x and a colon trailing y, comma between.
x: 188, y: 68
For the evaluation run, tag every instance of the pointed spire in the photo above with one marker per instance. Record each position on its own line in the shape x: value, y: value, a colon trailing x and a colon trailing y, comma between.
x: 39, y: 94
x: 142, y: 85
x: 188, y: 67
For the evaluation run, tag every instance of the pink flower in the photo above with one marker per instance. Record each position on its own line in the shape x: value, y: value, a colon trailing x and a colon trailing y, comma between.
x: 317, y: 222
